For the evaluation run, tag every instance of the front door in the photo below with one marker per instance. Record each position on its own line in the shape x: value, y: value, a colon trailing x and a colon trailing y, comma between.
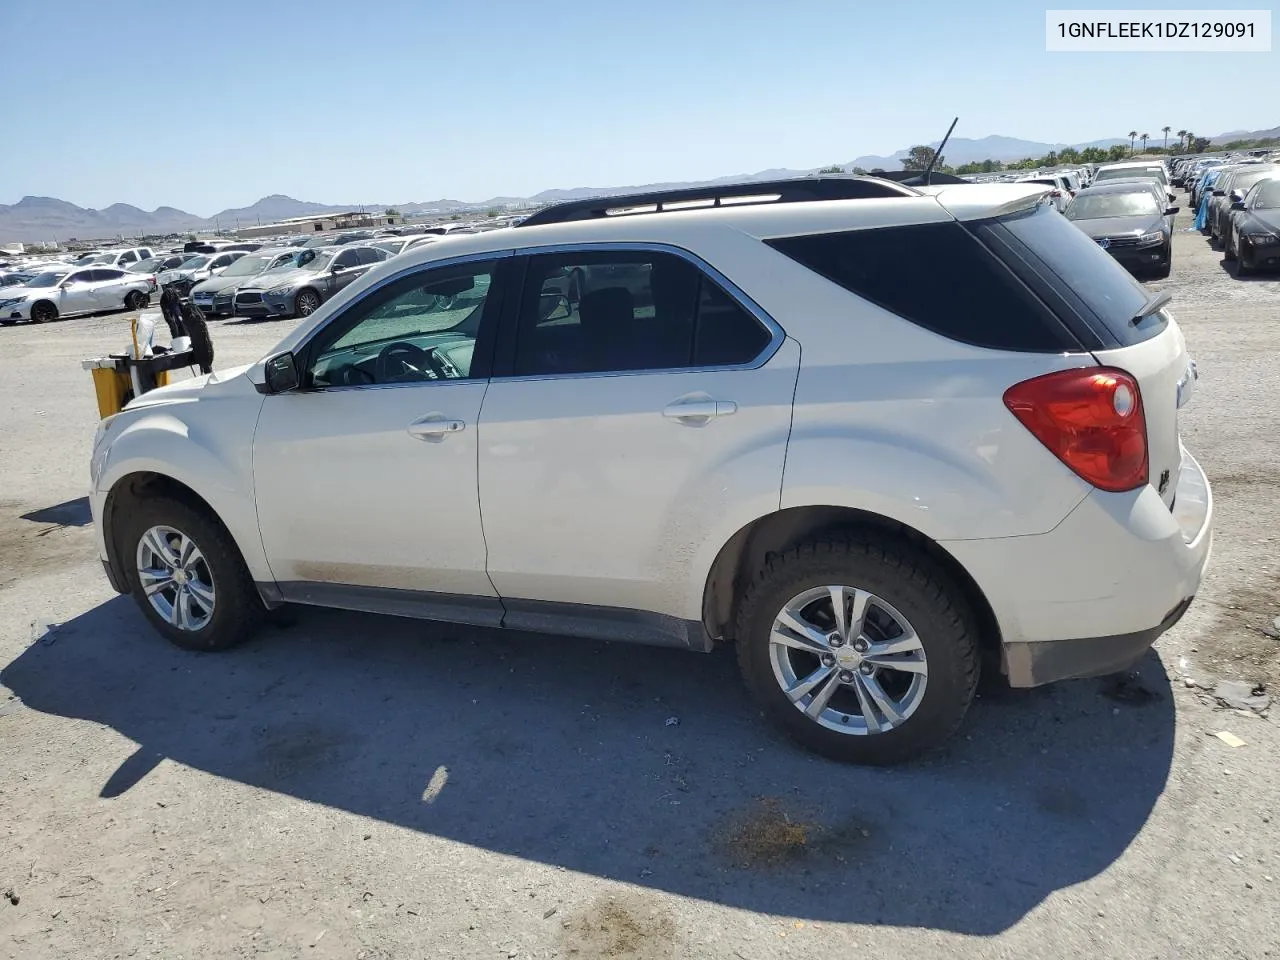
x: 625, y: 429
x: 366, y: 477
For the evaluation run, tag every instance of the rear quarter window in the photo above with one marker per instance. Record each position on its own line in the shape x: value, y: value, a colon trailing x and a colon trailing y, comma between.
x: 938, y: 276
x: 1058, y: 254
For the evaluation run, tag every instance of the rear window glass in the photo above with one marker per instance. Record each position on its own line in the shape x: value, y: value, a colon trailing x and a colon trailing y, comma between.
x: 938, y: 276
x: 1105, y: 287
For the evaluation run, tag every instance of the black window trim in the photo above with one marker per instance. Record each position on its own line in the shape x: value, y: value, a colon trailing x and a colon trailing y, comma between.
x: 486, y: 338
x: 504, y: 359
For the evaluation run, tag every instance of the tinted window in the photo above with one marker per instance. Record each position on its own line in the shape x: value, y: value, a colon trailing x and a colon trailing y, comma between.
x: 84, y: 276
x: 128, y: 257
x: 419, y: 329
x: 938, y: 276
x: 348, y: 258
x: 621, y: 311
x: 1104, y: 287
x: 107, y: 274
x: 370, y: 255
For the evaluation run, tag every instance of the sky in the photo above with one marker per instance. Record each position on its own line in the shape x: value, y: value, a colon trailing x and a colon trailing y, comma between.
x: 205, y: 106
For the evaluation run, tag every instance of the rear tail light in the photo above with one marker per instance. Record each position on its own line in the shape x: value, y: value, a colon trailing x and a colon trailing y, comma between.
x: 1055, y: 194
x: 1091, y: 419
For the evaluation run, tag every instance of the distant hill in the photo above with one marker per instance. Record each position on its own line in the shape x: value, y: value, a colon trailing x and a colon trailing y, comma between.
x: 47, y: 218
x: 1246, y: 135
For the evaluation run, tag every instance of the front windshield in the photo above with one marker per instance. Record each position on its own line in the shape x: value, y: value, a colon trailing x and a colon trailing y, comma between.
x: 247, y: 267
x: 318, y: 242
x: 1243, y: 181
x: 196, y: 263
x: 1096, y: 207
x: 86, y: 258
x: 51, y: 279
x: 1267, y: 196
x: 144, y: 266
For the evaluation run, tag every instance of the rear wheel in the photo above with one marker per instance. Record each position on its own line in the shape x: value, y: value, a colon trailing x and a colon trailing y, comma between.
x: 861, y: 649
x: 135, y: 300
x: 306, y: 303
x: 187, y: 576
x: 43, y: 312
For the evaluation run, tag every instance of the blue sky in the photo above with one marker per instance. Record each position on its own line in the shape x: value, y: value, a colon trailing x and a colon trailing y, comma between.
x: 203, y: 106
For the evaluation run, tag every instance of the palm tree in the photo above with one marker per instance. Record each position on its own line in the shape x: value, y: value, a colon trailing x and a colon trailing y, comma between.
x: 1133, y: 135
x: 1191, y: 139
x: 1165, y: 131
x: 1144, y: 138
x: 1182, y: 135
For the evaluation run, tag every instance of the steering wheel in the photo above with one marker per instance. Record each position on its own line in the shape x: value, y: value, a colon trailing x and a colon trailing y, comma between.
x: 401, y: 361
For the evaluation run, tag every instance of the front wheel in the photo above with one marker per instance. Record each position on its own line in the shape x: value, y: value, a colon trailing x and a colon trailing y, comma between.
x: 1228, y: 251
x: 43, y: 312
x: 306, y: 303
x: 187, y: 576
x: 860, y: 649
x: 1242, y: 269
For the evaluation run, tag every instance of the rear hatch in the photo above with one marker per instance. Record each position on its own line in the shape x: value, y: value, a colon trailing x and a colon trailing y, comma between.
x: 1113, y: 317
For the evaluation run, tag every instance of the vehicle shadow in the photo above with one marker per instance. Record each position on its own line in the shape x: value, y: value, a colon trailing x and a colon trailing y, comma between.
x: 643, y: 765
x: 1230, y: 268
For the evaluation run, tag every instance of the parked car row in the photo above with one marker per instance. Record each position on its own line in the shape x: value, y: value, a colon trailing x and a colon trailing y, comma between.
x: 1237, y: 203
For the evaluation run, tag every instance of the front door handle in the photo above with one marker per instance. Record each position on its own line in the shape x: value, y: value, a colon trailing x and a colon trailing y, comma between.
x: 435, y: 427
x: 698, y: 410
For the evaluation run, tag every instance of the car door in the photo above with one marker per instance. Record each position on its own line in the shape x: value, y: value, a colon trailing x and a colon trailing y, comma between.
x: 618, y: 432
x: 366, y: 476
x: 345, y: 268
x: 77, y: 294
x: 108, y: 288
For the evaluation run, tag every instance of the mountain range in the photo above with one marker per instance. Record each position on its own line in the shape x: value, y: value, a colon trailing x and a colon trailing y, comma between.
x: 35, y: 219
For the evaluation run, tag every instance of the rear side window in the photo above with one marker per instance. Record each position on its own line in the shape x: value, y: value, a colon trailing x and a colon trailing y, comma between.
x: 1064, y: 256
x: 938, y: 276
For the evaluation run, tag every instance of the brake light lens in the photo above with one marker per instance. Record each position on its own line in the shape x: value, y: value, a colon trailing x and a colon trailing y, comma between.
x: 1091, y: 419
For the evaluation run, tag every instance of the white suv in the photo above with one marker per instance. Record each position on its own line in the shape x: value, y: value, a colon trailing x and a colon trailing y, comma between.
x: 873, y: 436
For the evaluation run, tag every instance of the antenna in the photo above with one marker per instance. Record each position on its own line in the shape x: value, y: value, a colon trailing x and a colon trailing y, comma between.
x: 928, y: 173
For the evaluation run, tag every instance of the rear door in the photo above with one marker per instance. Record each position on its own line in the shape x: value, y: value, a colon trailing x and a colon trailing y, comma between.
x: 78, y: 293
x: 622, y: 428
x: 108, y: 288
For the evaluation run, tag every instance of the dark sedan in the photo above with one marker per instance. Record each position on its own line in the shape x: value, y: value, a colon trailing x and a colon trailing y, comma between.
x: 1230, y: 190
x: 1129, y: 222
x: 1254, y: 239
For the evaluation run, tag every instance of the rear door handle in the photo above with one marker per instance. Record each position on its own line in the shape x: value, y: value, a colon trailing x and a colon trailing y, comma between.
x: 435, y: 427
x: 698, y: 410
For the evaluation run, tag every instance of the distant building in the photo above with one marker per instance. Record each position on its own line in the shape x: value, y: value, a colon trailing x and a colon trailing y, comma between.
x: 321, y: 222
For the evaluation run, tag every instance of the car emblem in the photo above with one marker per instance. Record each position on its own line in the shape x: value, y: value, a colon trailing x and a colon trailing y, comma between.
x: 1104, y: 243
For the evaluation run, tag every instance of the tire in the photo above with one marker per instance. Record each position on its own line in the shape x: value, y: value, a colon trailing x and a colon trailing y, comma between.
x: 235, y: 609
x: 135, y: 300
x: 1242, y: 270
x: 907, y: 590
x: 306, y: 303
x: 43, y: 311
x: 1228, y: 253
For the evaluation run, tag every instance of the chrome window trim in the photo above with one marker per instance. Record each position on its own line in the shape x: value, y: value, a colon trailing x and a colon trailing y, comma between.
x: 776, y: 334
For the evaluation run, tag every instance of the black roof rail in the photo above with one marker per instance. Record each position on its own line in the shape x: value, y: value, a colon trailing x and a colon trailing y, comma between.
x: 793, y: 190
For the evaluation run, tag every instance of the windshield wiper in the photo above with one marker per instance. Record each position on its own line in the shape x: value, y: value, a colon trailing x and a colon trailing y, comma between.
x: 1155, y: 302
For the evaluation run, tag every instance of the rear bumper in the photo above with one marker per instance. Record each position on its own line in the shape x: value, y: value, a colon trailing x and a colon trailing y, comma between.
x: 1093, y: 594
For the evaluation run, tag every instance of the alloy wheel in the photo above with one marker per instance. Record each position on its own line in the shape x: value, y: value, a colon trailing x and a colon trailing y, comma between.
x: 175, y: 578
x: 848, y: 660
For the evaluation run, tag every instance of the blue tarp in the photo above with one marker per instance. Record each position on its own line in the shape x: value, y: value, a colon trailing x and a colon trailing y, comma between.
x: 1206, y: 191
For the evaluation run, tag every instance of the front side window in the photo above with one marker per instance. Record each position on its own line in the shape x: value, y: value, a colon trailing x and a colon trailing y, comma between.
x: 623, y: 311
x: 420, y: 328
x: 348, y: 258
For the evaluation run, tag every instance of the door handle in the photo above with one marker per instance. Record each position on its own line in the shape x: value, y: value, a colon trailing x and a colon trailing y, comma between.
x: 435, y: 427
x: 698, y: 410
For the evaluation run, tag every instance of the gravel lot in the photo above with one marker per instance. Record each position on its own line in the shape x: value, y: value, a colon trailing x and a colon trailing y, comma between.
x: 360, y: 787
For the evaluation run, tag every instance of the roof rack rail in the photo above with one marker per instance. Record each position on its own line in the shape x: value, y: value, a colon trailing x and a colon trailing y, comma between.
x: 793, y: 190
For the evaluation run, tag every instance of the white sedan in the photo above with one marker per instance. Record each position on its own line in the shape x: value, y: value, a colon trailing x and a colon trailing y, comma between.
x: 64, y: 293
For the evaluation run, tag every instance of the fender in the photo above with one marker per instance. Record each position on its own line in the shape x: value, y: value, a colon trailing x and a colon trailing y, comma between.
x: 206, y: 444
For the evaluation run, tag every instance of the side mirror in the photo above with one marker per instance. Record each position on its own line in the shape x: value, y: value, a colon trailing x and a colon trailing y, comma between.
x: 1172, y: 196
x: 1237, y: 205
x: 338, y: 268
x: 1237, y: 196
x: 552, y: 306
x: 1170, y: 211
x: 281, y: 373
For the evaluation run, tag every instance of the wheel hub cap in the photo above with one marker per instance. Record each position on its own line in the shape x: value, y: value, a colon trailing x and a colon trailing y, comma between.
x: 175, y: 578
x: 848, y: 660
